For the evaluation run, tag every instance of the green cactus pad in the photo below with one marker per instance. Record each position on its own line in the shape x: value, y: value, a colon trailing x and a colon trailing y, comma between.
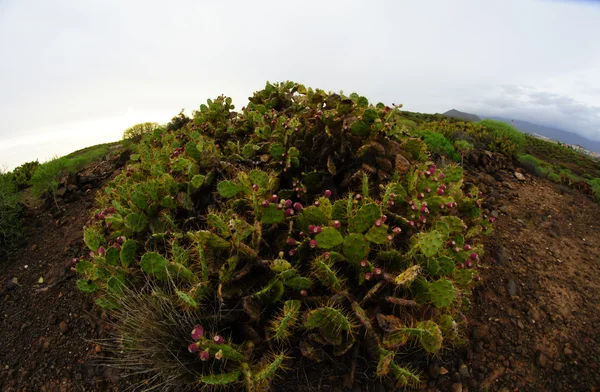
x: 128, y: 251
x: 322, y: 270
x: 87, y: 286
x: 364, y: 218
x: 463, y: 277
x: 299, y: 283
x: 408, y: 276
x: 311, y: 216
x: 112, y: 256
x: 378, y: 235
x: 404, y: 377
x: 192, y: 151
x: 227, y: 189
x: 187, y: 299
x: 198, y: 180
x: 272, y: 215
x: 180, y: 272
x: 269, y: 370
x: 280, y: 265
x: 327, y: 316
x: 309, y: 351
x: 271, y: 293
x: 430, y: 243
x: 277, y: 151
x: 446, y: 265
x: 453, y: 174
x: 455, y: 224
x: 260, y: 178
x: 339, y: 211
x: 356, y: 248
x: 441, y: 293
x: 210, y: 239
x: 83, y: 267
x: 218, y: 225
x: 92, y: 238
x: 221, y: 378
x: 431, y: 340
x: 154, y: 264
x: 282, y: 325
x: 395, y: 340
x: 136, y: 222
x: 329, y: 238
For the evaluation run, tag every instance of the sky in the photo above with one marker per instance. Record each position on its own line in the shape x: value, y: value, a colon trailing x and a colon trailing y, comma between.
x: 76, y: 73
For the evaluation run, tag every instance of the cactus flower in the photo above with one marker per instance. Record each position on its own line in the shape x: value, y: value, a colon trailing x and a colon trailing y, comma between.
x: 219, y: 355
x: 358, y: 196
x: 292, y: 242
x: 327, y: 193
x: 218, y: 339
x: 337, y: 224
x: 368, y: 275
x: 193, y: 348
x: 204, y: 355
x: 298, y: 206
x: 313, y: 243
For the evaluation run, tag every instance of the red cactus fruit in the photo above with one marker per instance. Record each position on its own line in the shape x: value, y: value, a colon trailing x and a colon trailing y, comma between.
x: 317, y: 203
x: 377, y: 271
x: 265, y: 203
x: 292, y: 252
x: 473, y: 256
x: 274, y: 198
x: 440, y: 191
x: 420, y: 196
x: 326, y: 255
x: 467, y: 247
x: 368, y: 275
x: 422, y: 219
x: 441, y: 176
x: 198, y: 332
x: 428, y: 190
x: 383, y: 218
x: 204, y: 355
x: 255, y: 187
x: 193, y: 347
x: 337, y: 224
x: 311, y: 229
x: 101, y: 251
x: 288, y: 204
x: 389, y: 237
x: 327, y: 193
x: 378, y: 223
x: 411, y: 223
x: 292, y: 242
x: 218, y: 339
x: 390, y: 203
x: 298, y: 206
x: 289, y: 212
x: 364, y: 263
x: 318, y: 229
x: 397, y: 230
x: 313, y: 243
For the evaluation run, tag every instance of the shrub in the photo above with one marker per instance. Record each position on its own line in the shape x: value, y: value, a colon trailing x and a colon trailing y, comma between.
x: 506, y: 139
x: 22, y: 175
x: 293, y: 228
x: 464, y: 148
x: 10, y: 211
x: 136, y: 132
x: 531, y: 164
x: 438, y: 144
x: 45, y: 179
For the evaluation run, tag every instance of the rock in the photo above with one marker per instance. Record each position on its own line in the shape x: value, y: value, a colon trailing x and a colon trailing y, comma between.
x: 455, y: 377
x: 34, y: 247
x: 61, y: 191
x: 557, y: 367
x: 433, y: 370
x: 457, y: 387
x: 520, y: 176
x: 463, y: 370
x: 511, y: 287
x: 542, y: 359
x: 12, y: 284
x: 568, y: 351
x: 64, y: 327
x: 71, y: 188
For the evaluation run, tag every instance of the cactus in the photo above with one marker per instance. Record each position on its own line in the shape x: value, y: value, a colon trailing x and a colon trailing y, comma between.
x: 356, y: 248
x: 365, y: 218
x: 323, y: 271
x: 282, y: 325
x: 153, y: 263
x: 441, y: 293
x: 408, y: 276
x: 228, y: 189
x: 378, y: 235
x: 136, y: 222
x: 329, y: 238
x: 430, y: 243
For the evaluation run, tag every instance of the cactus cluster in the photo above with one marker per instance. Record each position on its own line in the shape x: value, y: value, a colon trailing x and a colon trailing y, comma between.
x: 308, y: 218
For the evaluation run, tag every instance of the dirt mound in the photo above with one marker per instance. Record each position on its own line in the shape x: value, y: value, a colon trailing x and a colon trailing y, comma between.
x: 533, y: 322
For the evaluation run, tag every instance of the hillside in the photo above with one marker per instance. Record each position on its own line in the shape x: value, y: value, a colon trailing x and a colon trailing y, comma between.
x: 461, y: 115
x: 552, y: 133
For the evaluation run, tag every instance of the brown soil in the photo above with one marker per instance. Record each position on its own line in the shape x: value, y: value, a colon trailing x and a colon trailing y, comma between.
x: 533, y: 325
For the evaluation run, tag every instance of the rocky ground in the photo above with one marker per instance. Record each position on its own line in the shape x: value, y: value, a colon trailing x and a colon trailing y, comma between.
x: 533, y: 325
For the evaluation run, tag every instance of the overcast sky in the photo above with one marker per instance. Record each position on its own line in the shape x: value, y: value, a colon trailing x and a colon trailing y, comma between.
x: 75, y: 73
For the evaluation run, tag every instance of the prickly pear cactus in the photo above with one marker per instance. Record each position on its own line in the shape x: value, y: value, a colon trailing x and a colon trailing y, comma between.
x: 307, y: 219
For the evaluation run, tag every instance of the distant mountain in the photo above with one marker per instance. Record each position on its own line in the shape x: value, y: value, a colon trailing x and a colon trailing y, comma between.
x: 461, y: 115
x: 551, y: 133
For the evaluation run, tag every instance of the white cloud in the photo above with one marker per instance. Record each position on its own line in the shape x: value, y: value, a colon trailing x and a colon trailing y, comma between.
x: 69, y: 61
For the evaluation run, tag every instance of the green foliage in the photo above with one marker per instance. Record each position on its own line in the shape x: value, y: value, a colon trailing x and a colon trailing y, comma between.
x: 10, y: 212
x: 136, y: 132
x: 506, y: 138
x: 438, y: 144
x: 229, y: 216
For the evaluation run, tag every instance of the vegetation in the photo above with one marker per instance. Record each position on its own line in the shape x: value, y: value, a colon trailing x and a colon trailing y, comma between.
x: 307, y: 224
x: 136, y: 132
x: 10, y: 211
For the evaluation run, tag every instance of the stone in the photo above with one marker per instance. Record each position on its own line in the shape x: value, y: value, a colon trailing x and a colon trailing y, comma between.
x: 64, y: 327
x: 520, y: 176
x: 61, y: 191
x: 433, y: 370
x: 457, y: 387
x: 463, y: 370
x: 542, y: 359
x: 557, y: 367
x: 511, y: 287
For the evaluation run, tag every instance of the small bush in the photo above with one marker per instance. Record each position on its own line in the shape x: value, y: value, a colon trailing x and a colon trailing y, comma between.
x: 464, y: 148
x: 136, y: 132
x: 506, y: 139
x: 22, y: 175
x: 438, y: 144
x: 293, y: 228
x: 46, y: 177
